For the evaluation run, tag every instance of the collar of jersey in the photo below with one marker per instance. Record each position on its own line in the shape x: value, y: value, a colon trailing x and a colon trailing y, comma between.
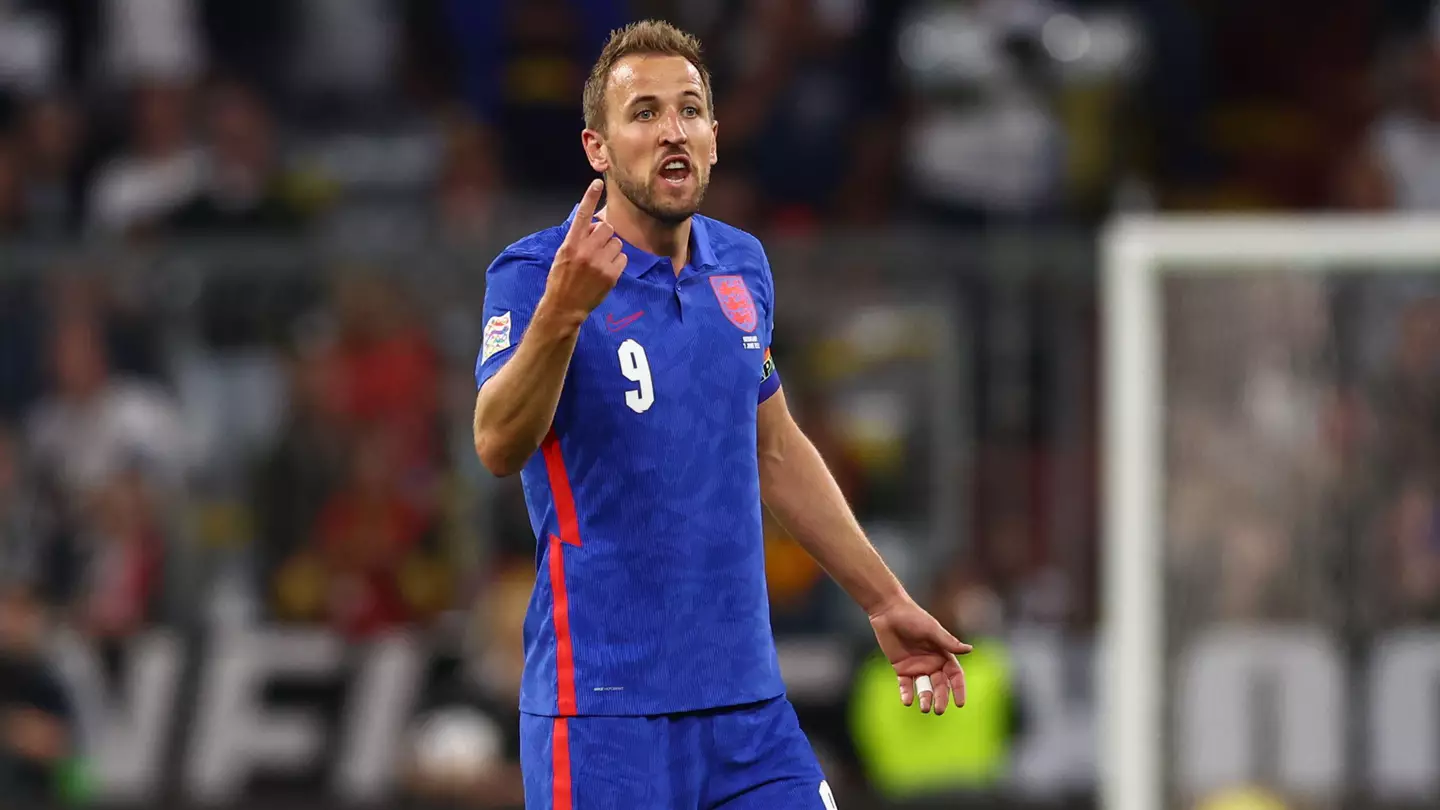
x: 702, y: 254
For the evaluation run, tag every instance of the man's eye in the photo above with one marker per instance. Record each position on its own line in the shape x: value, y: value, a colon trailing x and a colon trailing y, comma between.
x: 692, y: 111
x: 645, y: 115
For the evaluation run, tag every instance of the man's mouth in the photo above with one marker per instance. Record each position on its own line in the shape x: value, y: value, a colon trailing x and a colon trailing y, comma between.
x: 675, y: 170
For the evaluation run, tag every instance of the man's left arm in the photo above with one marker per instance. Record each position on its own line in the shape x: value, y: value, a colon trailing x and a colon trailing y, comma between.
x: 797, y: 486
x: 804, y: 497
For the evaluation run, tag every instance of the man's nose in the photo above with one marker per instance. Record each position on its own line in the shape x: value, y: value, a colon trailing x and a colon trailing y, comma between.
x: 672, y: 131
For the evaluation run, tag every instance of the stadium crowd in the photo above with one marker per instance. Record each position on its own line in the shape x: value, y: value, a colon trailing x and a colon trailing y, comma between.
x: 294, y: 446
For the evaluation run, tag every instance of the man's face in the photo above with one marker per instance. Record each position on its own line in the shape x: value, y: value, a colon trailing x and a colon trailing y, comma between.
x: 659, y: 140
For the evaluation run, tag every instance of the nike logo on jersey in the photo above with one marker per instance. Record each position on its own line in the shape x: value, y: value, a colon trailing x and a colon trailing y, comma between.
x: 616, y: 324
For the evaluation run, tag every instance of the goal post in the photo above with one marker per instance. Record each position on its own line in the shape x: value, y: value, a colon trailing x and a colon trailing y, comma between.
x: 1137, y: 255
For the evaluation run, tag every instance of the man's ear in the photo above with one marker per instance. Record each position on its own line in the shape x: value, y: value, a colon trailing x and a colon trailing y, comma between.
x: 595, y: 151
x: 714, y: 142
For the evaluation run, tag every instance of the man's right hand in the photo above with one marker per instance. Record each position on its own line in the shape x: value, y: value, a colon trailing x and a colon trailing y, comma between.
x: 587, y: 265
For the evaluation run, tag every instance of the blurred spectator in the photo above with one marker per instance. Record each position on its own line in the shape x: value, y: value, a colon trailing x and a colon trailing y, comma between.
x: 429, y: 56
x: 800, y: 108
x: 159, y: 170
x: 1398, y: 165
x: 1008, y: 547
x: 386, y: 371
x: 460, y: 754
x: 984, y: 142
x: 30, y: 51
x: 365, y: 559
x: 1255, y: 576
x: 1413, y: 526
x: 470, y: 187
x: 124, y: 544
x: 909, y: 756
x: 525, y: 66
x: 36, y: 715
x: 365, y: 529
x: 346, y: 49
x: 19, y: 541
x: 244, y: 186
x: 795, y: 583
x: 498, y: 629
x: 124, y: 339
x: 1285, y: 96
x: 36, y: 535
x: 127, y: 322
x: 798, y: 585
x: 307, y: 464
x: 12, y: 192
x: 152, y: 40
x: 95, y: 425
x: 54, y: 174
x: 1252, y: 467
x: 1405, y: 393
x: 466, y: 745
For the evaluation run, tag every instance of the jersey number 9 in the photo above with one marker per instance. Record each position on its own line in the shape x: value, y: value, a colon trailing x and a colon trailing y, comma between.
x: 636, y: 368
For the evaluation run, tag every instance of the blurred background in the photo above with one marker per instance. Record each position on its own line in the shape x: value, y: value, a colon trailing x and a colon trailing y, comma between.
x: 248, y: 557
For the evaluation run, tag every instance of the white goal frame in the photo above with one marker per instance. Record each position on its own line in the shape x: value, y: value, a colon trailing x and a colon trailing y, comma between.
x: 1134, y: 253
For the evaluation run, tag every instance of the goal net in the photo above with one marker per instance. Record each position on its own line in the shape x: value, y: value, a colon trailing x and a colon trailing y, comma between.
x: 1272, y: 578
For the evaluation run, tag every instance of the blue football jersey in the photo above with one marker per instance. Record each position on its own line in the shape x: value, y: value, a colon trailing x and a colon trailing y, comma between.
x: 650, y: 595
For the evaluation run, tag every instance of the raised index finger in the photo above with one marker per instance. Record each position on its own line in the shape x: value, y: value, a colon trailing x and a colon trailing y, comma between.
x: 586, y: 212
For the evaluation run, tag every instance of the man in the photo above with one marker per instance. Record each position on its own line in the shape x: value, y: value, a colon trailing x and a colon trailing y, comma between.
x: 35, y: 709
x: 630, y: 346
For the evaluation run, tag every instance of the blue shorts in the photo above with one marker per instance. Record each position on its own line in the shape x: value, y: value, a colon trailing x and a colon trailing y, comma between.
x: 737, y: 758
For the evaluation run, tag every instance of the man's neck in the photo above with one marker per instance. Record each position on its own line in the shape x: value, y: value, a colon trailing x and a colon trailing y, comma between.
x: 647, y: 233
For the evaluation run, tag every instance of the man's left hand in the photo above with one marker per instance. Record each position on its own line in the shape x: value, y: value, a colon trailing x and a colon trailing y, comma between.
x: 918, y: 646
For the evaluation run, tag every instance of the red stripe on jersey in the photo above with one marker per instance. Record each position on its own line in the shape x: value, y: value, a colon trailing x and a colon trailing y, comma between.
x: 569, y: 534
x: 560, y: 490
x: 564, y: 648
x: 561, y: 763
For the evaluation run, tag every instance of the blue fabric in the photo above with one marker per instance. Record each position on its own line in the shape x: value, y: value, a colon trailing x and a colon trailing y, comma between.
x: 663, y: 589
x: 744, y: 758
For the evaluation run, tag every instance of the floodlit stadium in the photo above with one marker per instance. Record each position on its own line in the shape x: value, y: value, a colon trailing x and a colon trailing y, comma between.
x: 565, y: 404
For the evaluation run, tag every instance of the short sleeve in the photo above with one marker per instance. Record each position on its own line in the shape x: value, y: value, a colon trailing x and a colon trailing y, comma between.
x: 770, y: 377
x: 513, y: 286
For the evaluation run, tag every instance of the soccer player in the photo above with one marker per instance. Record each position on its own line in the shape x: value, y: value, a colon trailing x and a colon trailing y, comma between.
x: 626, y: 374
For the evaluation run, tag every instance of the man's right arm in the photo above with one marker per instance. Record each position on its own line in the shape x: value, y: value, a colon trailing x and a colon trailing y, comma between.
x: 516, y: 403
x: 515, y: 407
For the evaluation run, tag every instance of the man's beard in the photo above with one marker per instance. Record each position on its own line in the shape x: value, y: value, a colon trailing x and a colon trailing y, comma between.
x: 643, y: 197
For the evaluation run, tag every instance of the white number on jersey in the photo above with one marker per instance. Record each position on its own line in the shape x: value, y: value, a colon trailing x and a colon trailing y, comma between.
x: 636, y: 368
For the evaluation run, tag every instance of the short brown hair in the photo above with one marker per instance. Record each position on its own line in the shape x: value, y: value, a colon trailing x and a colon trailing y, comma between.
x: 645, y: 37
